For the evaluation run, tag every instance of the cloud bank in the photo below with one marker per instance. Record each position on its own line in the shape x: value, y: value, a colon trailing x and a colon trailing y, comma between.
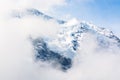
x: 17, y: 56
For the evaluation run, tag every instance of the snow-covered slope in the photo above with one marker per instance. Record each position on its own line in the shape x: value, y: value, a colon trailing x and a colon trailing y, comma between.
x: 61, y: 50
x: 34, y: 12
x: 75, y: 30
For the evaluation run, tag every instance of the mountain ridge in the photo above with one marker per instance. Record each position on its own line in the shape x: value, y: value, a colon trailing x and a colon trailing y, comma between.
x: 62, y: 49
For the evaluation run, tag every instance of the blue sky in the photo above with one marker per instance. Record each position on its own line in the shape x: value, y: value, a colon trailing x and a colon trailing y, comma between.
x: 103, y: 13
x: 17, y: 61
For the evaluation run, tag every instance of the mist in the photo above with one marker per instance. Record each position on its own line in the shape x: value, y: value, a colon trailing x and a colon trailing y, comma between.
x: 17, y: 54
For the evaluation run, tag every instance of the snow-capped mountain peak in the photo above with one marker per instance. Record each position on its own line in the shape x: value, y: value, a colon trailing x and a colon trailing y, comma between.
x: 62, y: 49
x: 77, y: 28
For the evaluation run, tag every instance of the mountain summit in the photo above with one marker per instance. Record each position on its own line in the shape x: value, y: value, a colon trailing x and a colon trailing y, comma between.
x: 61, y: 50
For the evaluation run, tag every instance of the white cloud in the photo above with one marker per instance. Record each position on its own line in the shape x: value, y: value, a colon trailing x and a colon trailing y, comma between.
x: 16, y: 53
x: 38, y: 3
x: 16, y: 56
x: 15, y: 48
x: 42, y: 5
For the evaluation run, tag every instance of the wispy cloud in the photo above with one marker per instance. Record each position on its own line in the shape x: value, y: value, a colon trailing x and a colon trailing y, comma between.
x: 16, y: 52
x: 43, y: 5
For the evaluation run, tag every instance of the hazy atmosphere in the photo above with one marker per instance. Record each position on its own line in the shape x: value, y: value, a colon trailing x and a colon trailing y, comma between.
x: 69, y: 46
